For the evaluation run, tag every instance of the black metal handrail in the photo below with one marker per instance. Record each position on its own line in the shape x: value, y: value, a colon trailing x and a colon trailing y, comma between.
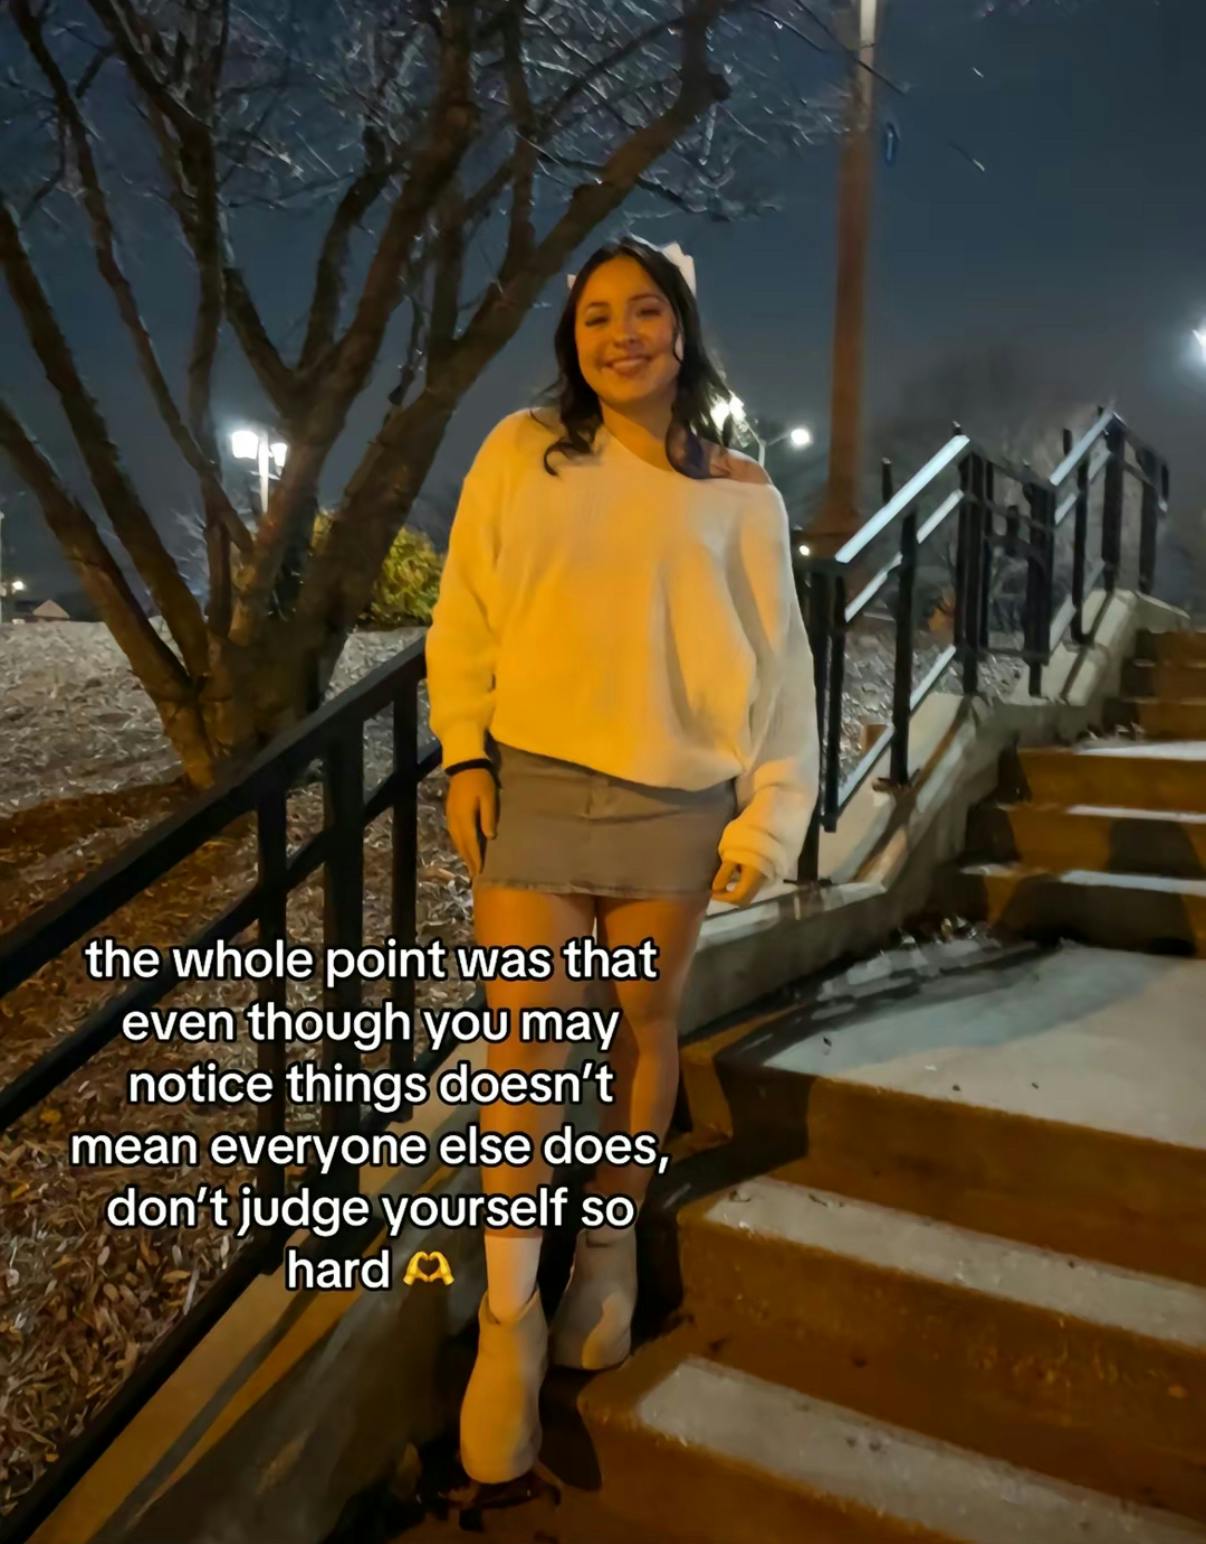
x: 334, y: 735
x: 987, y: 527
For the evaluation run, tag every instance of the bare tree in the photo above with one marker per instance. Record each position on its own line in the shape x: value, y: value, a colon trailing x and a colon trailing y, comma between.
x: 426, y: 136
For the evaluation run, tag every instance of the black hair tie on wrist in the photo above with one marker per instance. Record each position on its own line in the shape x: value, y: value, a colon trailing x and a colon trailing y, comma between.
x: 461, y: 766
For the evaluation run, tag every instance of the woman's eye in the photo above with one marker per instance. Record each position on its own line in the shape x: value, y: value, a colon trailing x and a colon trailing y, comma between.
x: 653, y: 313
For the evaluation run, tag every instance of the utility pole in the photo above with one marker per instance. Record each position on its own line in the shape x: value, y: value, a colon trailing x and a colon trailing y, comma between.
x: 839, y: 517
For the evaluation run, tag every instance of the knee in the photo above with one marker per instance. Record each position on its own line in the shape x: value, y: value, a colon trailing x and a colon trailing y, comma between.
x: 515, y: 1054
x: 655, y: 1036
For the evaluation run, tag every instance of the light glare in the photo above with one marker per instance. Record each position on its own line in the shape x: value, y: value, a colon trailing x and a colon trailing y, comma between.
x: 245, y: 444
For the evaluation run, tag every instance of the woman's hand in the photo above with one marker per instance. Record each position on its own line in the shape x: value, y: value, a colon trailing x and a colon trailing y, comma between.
x: 749, y: 880
x: 471, y: 811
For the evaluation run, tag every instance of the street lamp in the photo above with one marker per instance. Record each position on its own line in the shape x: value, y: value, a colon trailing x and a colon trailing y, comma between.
x: 800, y: 437
x: 722, y: 410
x: 1200, y: 334
x: 250, y: 445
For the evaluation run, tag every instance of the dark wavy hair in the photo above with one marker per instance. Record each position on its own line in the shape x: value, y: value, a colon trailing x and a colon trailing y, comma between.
x: 700, y: 387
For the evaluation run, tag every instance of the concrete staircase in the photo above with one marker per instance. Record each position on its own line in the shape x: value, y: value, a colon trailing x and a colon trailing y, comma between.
x: 1104, y: 841
x: 930, y: 1263
x: 917, y: 1272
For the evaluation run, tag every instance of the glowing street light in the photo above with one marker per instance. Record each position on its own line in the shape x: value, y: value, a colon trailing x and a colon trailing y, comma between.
x: 250, y: 445
x: 800, y: 437
x: 722, y: 410
x: 1200, y: 334
x: 245, y: 445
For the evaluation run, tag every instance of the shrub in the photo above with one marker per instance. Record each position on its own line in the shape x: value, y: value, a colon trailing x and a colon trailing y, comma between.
x: 408, y: 584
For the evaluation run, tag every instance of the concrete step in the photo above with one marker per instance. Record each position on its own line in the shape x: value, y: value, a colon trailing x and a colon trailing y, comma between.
x: 1164, y: 679
x: 1117, y: 910
x: 1081, y: 836
x: 1085, y: 1372
x: 695, y: 1452
x: 1176, y: 648
x: 1161, y: 718
x: 1053, y: 1100
x: 1163, y: 776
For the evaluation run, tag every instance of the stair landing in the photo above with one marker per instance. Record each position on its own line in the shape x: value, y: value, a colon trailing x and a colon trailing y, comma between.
x: 1091, y: 1037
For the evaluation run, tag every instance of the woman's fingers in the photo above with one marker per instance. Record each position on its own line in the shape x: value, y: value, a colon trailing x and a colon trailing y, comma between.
x: 488, y: 812
x: 471, y: 815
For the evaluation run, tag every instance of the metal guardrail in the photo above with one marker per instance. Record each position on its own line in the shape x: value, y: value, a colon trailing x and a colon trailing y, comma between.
x: 987, y: 530
x: 333, y: 736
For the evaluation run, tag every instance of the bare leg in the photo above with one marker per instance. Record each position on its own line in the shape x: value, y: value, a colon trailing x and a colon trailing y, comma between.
x: 647, y: 1067
x: 507, y: 917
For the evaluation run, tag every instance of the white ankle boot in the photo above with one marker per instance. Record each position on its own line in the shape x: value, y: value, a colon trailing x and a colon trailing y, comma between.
x: 500, y: 1413
x: 592, y: 1327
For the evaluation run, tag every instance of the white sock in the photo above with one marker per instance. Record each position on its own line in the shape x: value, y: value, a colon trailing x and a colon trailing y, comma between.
x: 607, y: 1234
x: 511, y: 1266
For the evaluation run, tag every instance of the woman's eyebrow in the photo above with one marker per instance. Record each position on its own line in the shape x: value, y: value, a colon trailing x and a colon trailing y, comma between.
x: 647, y: 295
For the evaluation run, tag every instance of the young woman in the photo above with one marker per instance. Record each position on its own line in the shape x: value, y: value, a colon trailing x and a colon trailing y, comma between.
x: 622, y: 688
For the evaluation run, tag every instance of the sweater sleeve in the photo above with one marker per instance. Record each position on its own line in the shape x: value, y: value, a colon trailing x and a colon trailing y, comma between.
x: 461, y: 646
x: 777, y: 794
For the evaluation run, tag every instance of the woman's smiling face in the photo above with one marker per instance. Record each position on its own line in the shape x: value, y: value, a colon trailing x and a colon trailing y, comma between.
x: 625, y: 333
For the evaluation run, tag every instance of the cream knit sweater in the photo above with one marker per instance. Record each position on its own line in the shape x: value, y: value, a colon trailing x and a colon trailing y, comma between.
x: 634, y: 620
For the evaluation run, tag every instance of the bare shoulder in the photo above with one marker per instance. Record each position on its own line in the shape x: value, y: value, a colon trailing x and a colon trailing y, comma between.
x: 737, y: 465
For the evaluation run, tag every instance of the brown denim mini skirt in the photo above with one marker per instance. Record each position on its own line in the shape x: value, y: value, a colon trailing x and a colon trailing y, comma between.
x: 567, y: 828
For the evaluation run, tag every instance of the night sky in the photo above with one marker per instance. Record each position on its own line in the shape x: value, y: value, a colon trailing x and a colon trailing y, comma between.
x: 1079, y: 253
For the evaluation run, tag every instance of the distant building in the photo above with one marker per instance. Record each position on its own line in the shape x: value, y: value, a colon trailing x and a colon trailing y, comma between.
x: 49, y: 611
x: 28, y: 608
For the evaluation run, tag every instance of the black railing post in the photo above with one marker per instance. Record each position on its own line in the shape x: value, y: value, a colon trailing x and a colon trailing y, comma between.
x: 1111, y: 513
x: 986, y: 551
x: 837, y: 684
x: 404, y: 869
x: 1032, y: 647
x: 902, y: 709
x: 971, y: 576
x: 1080, y: 549
x: 818, y: 610
x: 1147, y: 522
x: 272, y: 853
x: 1040, y: 581
x: 962, y: 541
x: 343, y: 918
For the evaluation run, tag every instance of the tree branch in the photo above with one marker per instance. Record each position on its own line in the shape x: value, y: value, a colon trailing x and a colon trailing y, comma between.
x: 104, y: 241
x: 121, y: 503
x: 188, y: 163
x: 385, y: 477
x: 450, y: 127
x: 157, y: 667
x: 521, y: 236
x: 379, y: 167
